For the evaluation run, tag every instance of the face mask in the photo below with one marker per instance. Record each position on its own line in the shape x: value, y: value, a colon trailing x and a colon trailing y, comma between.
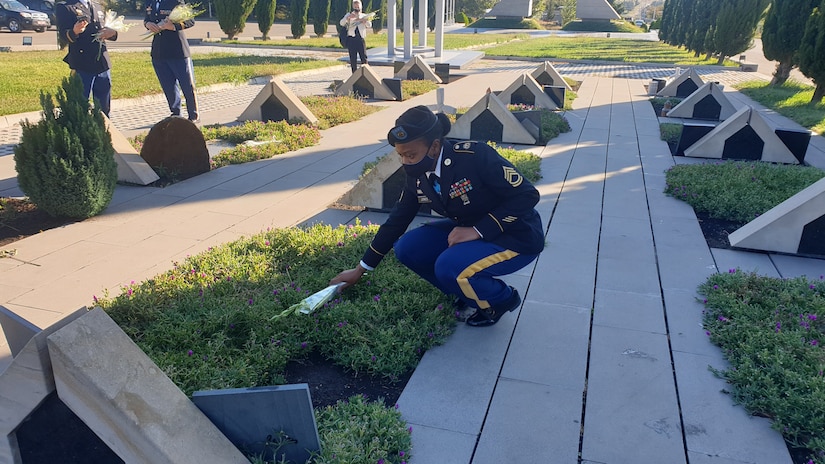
x: 418, y: 169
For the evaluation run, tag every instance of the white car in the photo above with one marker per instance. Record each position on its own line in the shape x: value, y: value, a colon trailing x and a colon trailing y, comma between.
x: 639, y: 23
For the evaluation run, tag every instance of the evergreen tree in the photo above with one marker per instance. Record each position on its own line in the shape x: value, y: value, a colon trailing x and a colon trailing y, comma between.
x: 703, y: 18
x: 667, y: 21
x: 265, y: 14
x: 782, y: 34
x: 812, y: 51
x: 337, y: 10
x: 320, y: 16
x: 736, y: 25
x: 298, y: 10
x: 232, y: 15
x: 683, y: 22
x: 65, y: 163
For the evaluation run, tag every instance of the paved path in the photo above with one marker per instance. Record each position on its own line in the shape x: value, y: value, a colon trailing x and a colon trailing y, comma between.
x: 606, y: 361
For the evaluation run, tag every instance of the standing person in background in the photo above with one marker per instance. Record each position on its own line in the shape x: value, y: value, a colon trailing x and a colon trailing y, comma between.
x: 80, y: 26
x: 356, y: 23
x: 170, y: 56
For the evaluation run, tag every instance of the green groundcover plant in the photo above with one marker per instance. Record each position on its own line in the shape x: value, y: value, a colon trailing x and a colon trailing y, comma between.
x: 211, y: 322
x: 771, y: 331
x: 737, y: 190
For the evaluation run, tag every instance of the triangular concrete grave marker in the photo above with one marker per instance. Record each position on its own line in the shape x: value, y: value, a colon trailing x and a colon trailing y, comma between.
x: 26, y: 383
x: 797, y: 225
x: 417, y: 69
x: 365, y: 82
x: 131, y: 168
x: 127, y: 400
x: 707, y: 102
x: 682, y: 85
x: 277, y: 102
x: 526, y: 91
x: 369, y: 191
x: 546, y: 74
x: 489, y: 119
x: 744, y: 136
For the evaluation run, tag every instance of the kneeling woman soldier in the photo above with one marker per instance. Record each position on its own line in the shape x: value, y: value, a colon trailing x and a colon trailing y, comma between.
x: 492, y: 228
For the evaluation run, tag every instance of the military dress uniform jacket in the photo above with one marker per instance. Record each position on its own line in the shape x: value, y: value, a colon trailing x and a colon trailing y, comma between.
x: 167, y: 45
x: 85, y: 53
x: 478, y: 188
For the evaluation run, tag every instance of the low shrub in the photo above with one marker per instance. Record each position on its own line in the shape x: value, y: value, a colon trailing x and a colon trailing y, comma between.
x: 771, y: 331
x: 275, y: 138
x: 65, y: 162
x: 600, y: 26
x: 211, y: 321
x: 506, y: 23
x: 737, y: 190
x: 670, y: 133
x: 342, y: 429
x: 335, y: 110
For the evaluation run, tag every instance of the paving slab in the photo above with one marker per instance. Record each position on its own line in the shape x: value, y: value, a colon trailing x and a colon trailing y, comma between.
x: 796, y: 266
x: 714, y: 425
x: 760, y: 263
x: 631, y: 411
x: 440, y: 445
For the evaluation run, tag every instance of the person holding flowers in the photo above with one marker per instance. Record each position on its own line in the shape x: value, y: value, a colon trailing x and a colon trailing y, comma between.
x: 490, y: 227
x: 357, y: 23
x: 165, y: 20
x: 81, y: 27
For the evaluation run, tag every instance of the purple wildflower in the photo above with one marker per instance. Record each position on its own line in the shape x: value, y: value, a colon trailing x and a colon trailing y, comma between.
x: 190, y: 353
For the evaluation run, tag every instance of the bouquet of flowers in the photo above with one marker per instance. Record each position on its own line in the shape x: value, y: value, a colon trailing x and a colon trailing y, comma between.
x: 178, y: 15
x: 309, y: 304
x: 112, y: 21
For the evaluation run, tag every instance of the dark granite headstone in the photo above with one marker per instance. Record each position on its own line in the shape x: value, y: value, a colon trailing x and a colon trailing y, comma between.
x: 544, y: 78
x: 523, y: 96
x: 686, y: 88
x: 363, y: 87
x: 415, y: 73
x: 391, y: 191
x: 660, y: 84
x: 53, y: 433
x: 255, y: 418
x: 707, y: 108
x: 556, y: 93
x: 690, y: 134
x: 273, y: 110
x: 442, y: 70
x: 486, y: 126
x: 812, y: 241
x: 796, y: 141
x: 176, y: 145
x: 395, y: 87
x: 745, y: 144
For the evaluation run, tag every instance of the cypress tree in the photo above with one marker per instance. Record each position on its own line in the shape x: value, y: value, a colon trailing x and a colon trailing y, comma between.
x: 320, y: 16
x: 812, y: 50
x: 265, y: 14
x: 232, y: 15
x: 65, y: 163
x: 782, y: 34
x: 299, y: 10
x: 736, y: 25
x: 667, y: 21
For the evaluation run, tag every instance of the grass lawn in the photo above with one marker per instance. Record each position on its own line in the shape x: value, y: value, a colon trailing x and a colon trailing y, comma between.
x: 603, y: 49
x: 24, y: 74
x: 451, y: 41
x: 791, y: 100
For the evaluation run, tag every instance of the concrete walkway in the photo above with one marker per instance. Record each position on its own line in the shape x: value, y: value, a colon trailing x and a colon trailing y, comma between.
x: 606, y: 361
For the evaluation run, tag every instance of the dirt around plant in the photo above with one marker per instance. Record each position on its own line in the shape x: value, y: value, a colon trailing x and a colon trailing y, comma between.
x: 20, y: 219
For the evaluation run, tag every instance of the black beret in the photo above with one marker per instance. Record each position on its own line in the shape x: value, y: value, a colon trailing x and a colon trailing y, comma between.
x: 413, y: 124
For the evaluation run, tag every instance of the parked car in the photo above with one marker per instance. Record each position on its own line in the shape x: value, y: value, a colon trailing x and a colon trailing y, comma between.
x: 16, y: 17
x: 639, y: 23
x: 43, y: 6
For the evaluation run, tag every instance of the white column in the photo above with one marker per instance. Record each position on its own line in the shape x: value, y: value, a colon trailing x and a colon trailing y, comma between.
x: 408, y: 32
x: 439, y: 27
x: 422, y: 23
x: 392, y: 27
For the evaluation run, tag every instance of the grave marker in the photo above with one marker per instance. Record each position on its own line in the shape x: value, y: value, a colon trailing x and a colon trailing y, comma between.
x: 707, y: 102
x: 682, y: 85
x: 797, y: 225
x: 489, y: 119
x: 365, y: 82
x: 277, y: 102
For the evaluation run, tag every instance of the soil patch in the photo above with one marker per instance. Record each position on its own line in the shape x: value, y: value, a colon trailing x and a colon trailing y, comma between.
x: 20, y: 219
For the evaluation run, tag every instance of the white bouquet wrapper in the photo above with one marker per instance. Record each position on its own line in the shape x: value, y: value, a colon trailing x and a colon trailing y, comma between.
x: 115, y: 22
x: 178, y: 15
x: 311, y: 303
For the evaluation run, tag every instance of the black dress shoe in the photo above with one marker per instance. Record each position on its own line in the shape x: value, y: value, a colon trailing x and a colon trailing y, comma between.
x: 491, y: 315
